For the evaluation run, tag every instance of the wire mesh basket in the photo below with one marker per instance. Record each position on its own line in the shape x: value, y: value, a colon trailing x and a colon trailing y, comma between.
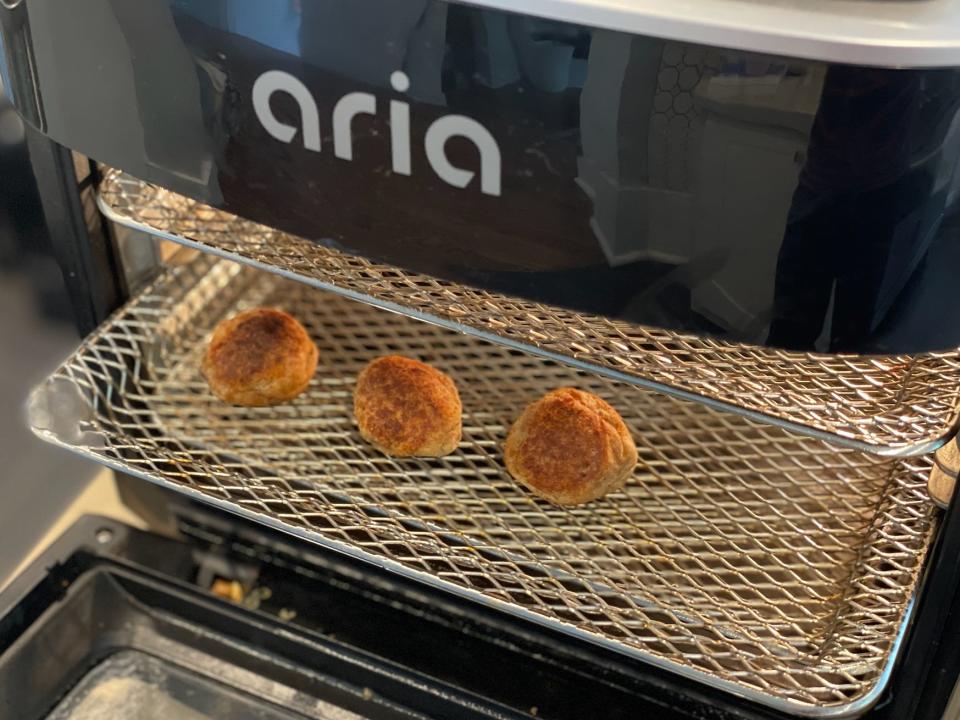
x: 758, y: 560
x: 891, y: 405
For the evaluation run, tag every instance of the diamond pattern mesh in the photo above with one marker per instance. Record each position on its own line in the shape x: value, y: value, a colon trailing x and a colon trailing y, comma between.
x: 892, y: 405
x: 753, y: 557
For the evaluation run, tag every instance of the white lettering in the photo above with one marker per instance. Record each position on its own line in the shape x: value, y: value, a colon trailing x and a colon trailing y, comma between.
x: 360, y: 103
x: 400, y: 126
x: 346, y: 110
x: 459, y: 126
x: 278, y: 81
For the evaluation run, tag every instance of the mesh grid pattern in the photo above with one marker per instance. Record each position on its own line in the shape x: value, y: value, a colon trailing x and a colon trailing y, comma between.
x: 739, y: 551
x: 892, y: 405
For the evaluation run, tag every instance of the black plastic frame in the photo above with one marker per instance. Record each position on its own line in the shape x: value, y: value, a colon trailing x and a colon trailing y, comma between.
x: 86, y: 253
x: 495, y: 657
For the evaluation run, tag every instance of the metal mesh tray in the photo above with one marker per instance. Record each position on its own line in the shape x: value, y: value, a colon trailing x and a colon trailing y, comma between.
x: 890, y: 405
x: 772, y: 564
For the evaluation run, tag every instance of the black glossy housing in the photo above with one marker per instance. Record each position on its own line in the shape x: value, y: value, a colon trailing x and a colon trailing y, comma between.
x: 762, y: 199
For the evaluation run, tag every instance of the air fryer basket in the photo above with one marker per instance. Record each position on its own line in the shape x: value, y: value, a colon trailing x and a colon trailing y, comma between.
x: 890, y: 405
x: 752, y: 558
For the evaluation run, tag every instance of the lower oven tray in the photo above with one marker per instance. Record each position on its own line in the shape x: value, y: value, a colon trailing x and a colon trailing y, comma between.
x: 774, y: 565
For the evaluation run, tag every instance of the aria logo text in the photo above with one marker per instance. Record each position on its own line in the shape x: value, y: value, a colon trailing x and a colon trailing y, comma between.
x: 361, y: 103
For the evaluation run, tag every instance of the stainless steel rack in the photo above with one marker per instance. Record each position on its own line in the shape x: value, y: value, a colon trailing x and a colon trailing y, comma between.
x: 892, y: 405
x: 754, y: 559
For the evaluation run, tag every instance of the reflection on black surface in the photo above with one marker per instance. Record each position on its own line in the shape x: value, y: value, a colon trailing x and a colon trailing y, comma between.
x: 405, y: 36
x: 866, y: 209
x: 168, y: 95
x: 760, y: 199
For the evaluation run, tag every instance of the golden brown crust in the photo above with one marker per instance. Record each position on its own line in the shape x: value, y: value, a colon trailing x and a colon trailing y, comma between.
x: 259, y: 357
x: 407, y: 408
x: 570, y: 447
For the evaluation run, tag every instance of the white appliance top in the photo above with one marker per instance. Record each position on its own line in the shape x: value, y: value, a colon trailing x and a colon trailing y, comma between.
x: 921, y: 33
